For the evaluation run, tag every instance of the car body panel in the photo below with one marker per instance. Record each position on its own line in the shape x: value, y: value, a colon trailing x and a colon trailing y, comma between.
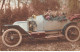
x: 23, y: 25
x: 43, y: 24
x: 54, y: 25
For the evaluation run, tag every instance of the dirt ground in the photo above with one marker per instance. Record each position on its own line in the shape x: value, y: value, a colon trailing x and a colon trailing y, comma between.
x: 55, y: 44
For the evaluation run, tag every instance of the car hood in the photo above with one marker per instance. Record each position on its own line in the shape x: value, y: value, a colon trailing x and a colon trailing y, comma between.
x: 22, y: 24
x: 17, y: 22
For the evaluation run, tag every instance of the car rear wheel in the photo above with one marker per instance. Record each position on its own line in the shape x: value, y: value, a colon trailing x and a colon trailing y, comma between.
x: 11, y: 38
x: 72, y: 33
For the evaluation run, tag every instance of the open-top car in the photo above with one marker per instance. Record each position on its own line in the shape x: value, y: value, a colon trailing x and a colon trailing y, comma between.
x: 39, y: 27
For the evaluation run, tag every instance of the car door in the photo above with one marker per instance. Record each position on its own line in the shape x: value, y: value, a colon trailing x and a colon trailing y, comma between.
x: 50, y: 25
x: 54, y: 24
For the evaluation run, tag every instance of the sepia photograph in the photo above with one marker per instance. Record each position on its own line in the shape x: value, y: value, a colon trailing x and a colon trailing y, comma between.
x: 39, y: 25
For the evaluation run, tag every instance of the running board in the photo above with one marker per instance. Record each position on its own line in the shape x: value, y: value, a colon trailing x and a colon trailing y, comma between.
x: 53, y: 36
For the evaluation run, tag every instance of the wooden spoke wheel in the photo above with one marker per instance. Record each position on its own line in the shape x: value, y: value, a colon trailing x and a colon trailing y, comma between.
x: 11, y: 38
x: 72, y: 33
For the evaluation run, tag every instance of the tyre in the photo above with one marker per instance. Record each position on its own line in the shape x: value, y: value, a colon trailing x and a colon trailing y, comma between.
x: 11, y: 38
x: 72, y: 33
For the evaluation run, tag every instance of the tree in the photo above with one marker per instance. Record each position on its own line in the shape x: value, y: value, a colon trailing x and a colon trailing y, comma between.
x: 18, y: 4
x: 9, y: 4
x: 73, y: 6
x: 2, y: 4
x: 41, y: 5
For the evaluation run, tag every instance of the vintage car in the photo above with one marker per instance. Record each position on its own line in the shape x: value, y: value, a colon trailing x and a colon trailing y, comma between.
x: 38, y: 27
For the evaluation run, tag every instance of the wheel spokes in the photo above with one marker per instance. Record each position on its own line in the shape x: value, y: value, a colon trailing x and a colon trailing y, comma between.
x: 12, y: 38
x: 73, y: 33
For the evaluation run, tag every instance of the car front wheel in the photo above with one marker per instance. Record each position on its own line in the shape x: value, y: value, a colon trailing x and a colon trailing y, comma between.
x: 11, y: 38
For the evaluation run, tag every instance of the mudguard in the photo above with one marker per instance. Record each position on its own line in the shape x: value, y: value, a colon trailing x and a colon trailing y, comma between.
x: 15, y: 27
x: 71, y: 23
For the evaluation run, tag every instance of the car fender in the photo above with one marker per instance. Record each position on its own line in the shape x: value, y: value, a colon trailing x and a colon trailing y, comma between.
x: 71, y: 23
x: 15, y: 27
